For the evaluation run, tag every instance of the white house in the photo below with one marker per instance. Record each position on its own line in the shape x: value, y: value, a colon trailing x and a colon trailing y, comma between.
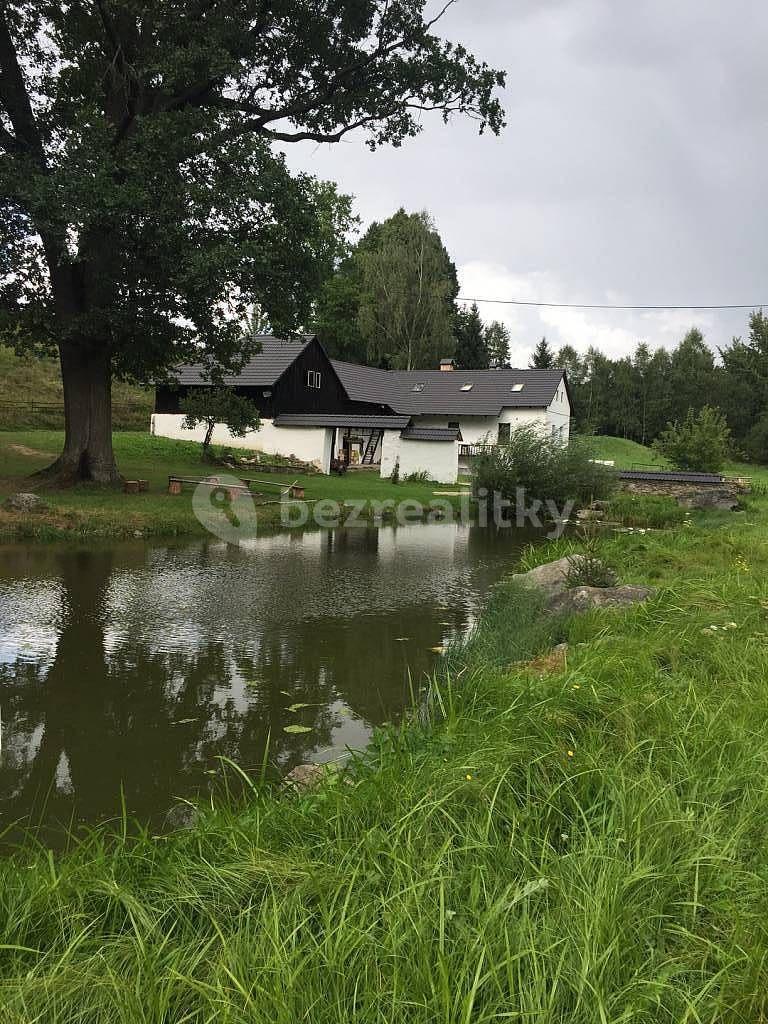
x: 318, y: 409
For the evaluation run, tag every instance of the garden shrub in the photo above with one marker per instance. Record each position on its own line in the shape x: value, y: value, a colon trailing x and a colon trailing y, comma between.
x: 700, y: 443
x: 543, y: 468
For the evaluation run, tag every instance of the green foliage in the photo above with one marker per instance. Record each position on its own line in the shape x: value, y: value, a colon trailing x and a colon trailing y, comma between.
x: 587, y: 567
x: 33, y: 395
x: 219, y: 405
x: 540, y: 466
x: 755, y: 444
x: 700, y: 442
x: 471, y: 341
x: 497, y: 339
x: 391, y: 302
x: 408, y: 286
x: 543, y: 357
x: 651, y: 511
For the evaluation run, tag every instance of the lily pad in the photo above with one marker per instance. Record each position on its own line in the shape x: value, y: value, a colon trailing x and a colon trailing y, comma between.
x: 295, y: 730
x: 297, y: 707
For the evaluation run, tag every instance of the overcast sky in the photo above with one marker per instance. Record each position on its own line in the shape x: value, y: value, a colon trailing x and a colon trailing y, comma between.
x: 633, y: 168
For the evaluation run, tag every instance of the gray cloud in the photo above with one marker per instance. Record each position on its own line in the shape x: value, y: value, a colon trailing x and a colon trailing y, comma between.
x: 631, y: 171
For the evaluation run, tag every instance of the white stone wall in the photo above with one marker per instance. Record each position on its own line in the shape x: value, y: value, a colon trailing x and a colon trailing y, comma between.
x: 309, y: 444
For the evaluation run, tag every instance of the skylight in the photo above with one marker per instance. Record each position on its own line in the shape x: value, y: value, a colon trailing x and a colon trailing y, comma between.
x: 518, y: 387
x: 467, y: 387
x: 418, y: 387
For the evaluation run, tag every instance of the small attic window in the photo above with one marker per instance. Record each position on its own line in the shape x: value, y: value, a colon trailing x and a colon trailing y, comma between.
x: 418, y: 387
x: 467, y: 387
x: 518, y: 387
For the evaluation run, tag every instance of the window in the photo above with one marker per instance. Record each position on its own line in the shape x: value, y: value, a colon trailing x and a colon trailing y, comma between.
x: 467, y: 387
x: 314, y: 378
x: 418, y: 387
x: 518, y: 387
x: 453, y: 425
x: 504, y: 433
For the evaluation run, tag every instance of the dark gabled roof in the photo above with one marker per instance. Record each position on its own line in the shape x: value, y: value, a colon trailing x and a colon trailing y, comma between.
x: 490, y: 393
x: 321, y: 419
x: 442, y: 392
x: 261, y: 371
x: 438, y: 392
x: 431, y: 434
x: 364, y: 383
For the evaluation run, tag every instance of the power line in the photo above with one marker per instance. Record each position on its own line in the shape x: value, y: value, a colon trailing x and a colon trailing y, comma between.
x: 581, y: 305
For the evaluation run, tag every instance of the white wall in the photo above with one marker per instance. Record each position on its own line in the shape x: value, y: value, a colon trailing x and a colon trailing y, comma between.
x: 390, y: 452
x: 438, y: 459
x: 559, y: 414
x: 309, y: 444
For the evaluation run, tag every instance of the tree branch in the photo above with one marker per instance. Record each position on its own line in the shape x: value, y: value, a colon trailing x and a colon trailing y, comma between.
x: 15, y: 99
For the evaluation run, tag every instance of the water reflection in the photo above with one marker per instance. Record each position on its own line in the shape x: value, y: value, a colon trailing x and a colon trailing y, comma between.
x: 136, y: 668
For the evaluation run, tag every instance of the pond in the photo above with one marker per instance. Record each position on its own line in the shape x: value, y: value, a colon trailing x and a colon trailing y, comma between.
x: 134, y: 668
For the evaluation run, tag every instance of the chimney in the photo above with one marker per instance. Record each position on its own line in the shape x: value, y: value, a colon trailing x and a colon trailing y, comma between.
x: 447, y: 365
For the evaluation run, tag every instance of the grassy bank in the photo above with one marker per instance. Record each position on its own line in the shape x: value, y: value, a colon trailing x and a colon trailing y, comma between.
x: 586, y: 845
x: 92, y: 512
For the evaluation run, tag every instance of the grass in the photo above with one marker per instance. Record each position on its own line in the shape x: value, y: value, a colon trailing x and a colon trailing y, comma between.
x: 34, y: 397
x: 583, y: 846
x: 94, y: 512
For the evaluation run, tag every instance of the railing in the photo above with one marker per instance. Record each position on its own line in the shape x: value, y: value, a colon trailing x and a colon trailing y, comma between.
x: 468, y: 451
x: 50, y: 416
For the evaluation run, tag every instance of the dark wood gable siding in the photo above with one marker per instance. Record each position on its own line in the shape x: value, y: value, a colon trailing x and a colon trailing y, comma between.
x: 290, y: 392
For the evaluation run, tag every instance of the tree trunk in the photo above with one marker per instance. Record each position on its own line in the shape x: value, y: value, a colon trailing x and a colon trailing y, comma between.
x: 87, y: 455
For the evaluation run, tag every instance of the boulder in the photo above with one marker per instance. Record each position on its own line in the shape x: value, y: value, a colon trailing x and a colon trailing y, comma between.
x: 549, y: 578
x: 25, y: 502
x: 582, y: 599
x: 304, y: 777
x: 182, y: 816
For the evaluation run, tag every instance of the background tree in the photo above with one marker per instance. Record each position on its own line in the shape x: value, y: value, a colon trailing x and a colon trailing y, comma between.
x: 543, y: 357
x: 144, y: 208
x: 408, y: 288
x: 497, y: 339
x: 471, y: 342
x: 210, y: 406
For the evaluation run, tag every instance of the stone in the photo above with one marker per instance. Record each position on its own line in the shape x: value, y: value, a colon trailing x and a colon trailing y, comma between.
x: 182, y: 816
x: 724, y: 498
x: 582, y: 599
x: 549, y: 578
x: 546, y: 664
x: 24, y: 502
x: 304, y: 777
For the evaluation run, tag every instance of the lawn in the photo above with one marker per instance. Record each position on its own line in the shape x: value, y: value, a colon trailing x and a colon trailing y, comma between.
x: 583, y: 843
x: 91, y: 511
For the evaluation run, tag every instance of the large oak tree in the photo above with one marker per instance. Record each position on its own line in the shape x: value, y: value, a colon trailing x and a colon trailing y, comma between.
x: 143, y: 206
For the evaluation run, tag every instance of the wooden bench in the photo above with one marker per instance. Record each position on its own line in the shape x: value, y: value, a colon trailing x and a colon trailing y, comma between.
x: 177, y: 483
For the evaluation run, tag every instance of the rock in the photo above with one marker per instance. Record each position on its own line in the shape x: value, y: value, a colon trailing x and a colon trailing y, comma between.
x: 304, y: 777
x: 545, y: 664
x: 726, y: 499
x: 587, y: 514
x: 24, y: 502
x: 182, y: 816
x: 582, y: 599
x: 550, y: 578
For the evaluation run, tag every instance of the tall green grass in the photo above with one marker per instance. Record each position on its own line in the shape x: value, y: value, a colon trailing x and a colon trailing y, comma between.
x: 587, y: 846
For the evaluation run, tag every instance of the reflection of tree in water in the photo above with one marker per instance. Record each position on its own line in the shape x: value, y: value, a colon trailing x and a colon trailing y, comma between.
x: 124, y: 706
